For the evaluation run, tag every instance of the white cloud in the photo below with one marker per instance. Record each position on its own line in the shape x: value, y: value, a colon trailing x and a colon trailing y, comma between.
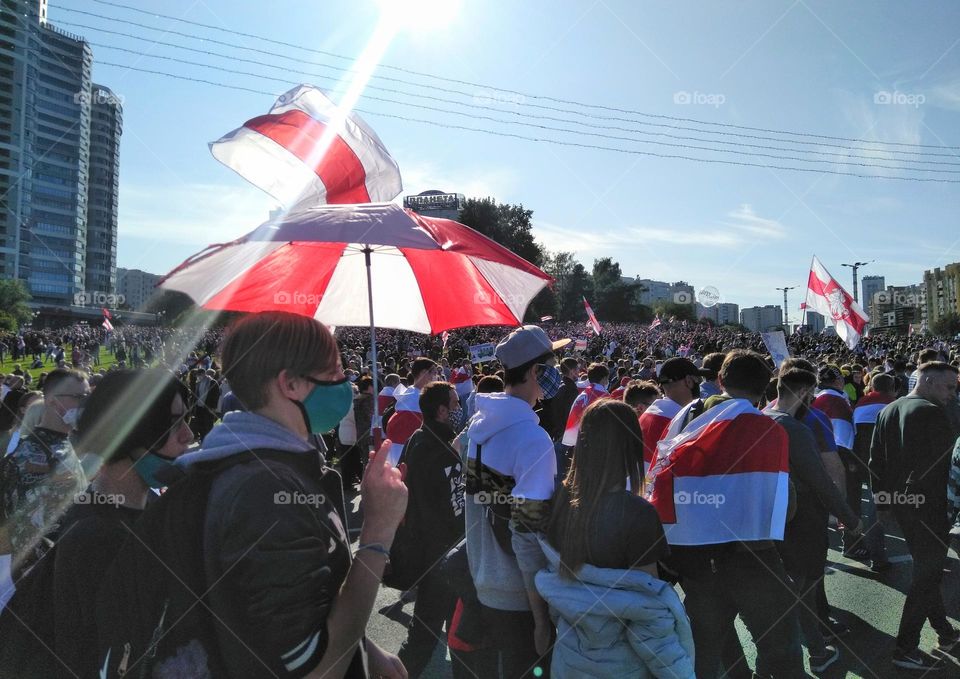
x: 746, y: 220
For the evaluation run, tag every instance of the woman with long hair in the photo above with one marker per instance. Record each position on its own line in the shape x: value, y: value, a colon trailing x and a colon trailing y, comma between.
x: 613, y: 612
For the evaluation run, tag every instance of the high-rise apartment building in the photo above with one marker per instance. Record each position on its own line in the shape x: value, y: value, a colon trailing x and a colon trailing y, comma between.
x: 50, y: 235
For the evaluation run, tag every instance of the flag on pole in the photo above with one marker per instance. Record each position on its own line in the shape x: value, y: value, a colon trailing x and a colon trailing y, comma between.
x: 106, y: 312
x: 592, y: 323
x: 308, y: 151
x: 445, y: 335
x: 723, y: 478
x: 826, y: 296
x: 107, y: 324
x: 544, y: 319
x: 656, y: 322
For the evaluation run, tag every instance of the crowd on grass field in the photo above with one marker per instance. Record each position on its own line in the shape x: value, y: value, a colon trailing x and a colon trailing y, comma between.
x: 180, y: 512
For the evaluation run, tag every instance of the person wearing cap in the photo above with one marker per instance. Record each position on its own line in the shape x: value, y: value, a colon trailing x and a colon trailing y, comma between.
x: 711, y: 382
x: 511, y: 470
x: 680, y: 382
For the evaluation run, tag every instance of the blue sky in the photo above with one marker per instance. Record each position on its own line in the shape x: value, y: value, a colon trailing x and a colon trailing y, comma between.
x: 806, y: 66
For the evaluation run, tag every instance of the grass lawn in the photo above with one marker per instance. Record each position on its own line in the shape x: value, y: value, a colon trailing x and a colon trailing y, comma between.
x: 6, y: 367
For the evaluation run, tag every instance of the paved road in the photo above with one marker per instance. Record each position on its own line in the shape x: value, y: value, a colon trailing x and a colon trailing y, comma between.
x: 869, y: 603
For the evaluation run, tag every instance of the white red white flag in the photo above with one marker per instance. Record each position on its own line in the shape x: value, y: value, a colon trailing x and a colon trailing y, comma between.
x: 656, y: 322
x: 723, y: 478
x: 592, y: 393
x: 307, y: 151
x: 592, y: 321
x: 826, y: 296
x: 544, y: 319
x: 654, y: 423
x: 107, y: 324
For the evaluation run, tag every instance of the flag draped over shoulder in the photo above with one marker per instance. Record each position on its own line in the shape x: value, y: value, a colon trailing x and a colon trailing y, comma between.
x: 826, y: 296
x: 592, y: 393
x: 592, y: 321
x: 405, y: 420
x: 654, y: 423
x: 723, y: 478
x: 307, y: 151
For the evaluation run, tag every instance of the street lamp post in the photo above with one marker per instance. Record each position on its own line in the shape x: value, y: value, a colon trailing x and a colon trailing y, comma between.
x: 786, y: 309
x: 855, y: 266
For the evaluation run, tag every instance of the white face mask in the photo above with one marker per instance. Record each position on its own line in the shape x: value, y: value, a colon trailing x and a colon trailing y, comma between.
x: 70, y: 417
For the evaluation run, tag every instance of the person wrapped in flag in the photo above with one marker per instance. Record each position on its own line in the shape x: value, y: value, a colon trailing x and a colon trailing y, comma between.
x: 597, y: 376
x: 720, y: 485
x: 680, y: 381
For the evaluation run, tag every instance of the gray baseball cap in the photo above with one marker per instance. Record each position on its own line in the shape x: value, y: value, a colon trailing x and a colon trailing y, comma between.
x: 525, y: 344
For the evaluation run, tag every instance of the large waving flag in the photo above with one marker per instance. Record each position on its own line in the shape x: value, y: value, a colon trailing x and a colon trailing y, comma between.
x: 592, y: 321
x: 724, y: 478
x: 826, y: 296
x: 306, y: 151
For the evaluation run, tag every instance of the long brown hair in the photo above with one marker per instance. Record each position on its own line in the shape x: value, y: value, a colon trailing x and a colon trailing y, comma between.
x: 609, y: 451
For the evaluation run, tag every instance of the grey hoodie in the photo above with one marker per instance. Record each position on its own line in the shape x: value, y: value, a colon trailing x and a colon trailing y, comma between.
x: 242, y: 431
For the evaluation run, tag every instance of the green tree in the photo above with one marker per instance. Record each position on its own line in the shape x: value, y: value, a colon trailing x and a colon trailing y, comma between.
x: 13, y: 303
x: 947, y: 325
x: 681, y: 312
x: 580, y: 285
x: 509, y: 225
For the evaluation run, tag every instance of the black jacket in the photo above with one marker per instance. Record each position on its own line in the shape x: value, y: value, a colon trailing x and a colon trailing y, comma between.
x: 434, y: 481
x: 559, y: 408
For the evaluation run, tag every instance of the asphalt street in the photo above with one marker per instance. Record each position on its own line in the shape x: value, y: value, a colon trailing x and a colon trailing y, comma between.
x: 869, y: 603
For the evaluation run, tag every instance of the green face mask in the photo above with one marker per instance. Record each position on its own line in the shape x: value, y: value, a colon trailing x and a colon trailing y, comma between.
x: 326, y: 405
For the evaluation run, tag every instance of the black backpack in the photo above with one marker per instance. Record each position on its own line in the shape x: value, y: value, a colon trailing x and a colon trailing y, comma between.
x: 152, y: 606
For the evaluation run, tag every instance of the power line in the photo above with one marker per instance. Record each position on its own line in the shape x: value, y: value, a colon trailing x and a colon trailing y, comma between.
x: 473, y: 84
x: 559, y: 142
x: 692, y: 147
x: 844, y: 156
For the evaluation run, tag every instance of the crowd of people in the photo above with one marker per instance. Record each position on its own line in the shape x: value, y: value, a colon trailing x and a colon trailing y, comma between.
x: 567, y: 509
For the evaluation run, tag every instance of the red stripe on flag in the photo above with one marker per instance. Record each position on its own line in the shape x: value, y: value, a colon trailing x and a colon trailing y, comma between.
x: 339, y: 168
x: 747, y: 443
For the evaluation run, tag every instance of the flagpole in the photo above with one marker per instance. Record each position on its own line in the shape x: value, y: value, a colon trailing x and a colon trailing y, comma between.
x: 805, y: 305
x: 375, y: 422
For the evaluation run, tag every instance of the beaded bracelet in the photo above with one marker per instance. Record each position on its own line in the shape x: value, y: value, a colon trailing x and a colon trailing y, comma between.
x: 375, y: 547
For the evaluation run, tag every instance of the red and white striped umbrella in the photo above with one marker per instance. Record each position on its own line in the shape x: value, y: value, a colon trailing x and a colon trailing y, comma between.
x: 425, y: 274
